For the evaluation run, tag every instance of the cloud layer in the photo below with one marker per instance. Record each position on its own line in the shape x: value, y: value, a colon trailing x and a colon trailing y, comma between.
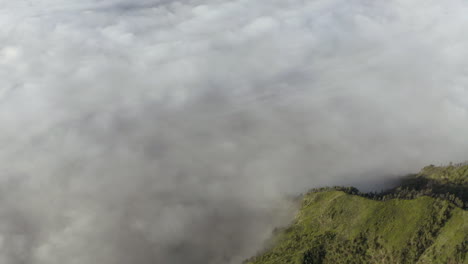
x: 169, y: 131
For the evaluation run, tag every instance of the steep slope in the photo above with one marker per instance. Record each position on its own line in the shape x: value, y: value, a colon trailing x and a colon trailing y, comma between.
x: 404, y: 225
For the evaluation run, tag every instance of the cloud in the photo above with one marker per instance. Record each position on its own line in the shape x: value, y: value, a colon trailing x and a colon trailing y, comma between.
x: 170, y: 131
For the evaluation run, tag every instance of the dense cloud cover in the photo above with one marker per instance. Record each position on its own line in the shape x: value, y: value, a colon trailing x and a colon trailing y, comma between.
x: 139, y: 131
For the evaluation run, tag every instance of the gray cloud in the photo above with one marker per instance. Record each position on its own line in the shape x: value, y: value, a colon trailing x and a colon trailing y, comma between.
x: 170, y: 132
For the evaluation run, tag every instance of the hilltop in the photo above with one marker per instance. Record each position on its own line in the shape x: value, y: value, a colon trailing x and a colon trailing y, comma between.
x: 423, y: 220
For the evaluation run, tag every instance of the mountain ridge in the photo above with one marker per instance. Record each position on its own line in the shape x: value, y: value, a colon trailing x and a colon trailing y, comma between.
x: 423, y: 220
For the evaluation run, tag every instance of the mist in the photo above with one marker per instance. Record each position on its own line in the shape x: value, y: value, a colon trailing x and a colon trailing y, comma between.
x: 171, y: 131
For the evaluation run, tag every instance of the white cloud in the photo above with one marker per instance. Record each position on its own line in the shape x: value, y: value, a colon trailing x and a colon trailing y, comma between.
x: 161, y: 131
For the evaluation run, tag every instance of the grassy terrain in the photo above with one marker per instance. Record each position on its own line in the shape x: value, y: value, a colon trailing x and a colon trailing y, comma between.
x: 336, y: 226
x: 448, y: 180
x: 452, y: 174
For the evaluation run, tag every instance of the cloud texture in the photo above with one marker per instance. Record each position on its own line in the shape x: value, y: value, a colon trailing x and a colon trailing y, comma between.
x: 168, y: 131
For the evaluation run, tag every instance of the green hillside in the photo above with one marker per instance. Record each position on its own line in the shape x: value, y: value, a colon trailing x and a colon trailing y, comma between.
x: 421, y: 221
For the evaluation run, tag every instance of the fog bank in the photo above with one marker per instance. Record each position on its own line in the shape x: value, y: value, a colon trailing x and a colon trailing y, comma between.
x: 170, y: 131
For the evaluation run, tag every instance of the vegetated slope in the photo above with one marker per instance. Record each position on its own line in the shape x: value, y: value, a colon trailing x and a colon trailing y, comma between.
x: 422, y: 221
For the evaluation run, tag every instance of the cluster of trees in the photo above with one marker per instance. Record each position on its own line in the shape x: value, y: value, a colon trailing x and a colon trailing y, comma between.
x: 411, y: 188
x: 453, y: 174
x: 407, y: 194
x: 459, y: 164
x: 333, y: 248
